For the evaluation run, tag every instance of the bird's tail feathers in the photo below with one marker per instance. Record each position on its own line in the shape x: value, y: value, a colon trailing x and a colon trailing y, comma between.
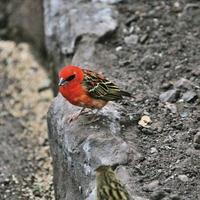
x: 124, y: 93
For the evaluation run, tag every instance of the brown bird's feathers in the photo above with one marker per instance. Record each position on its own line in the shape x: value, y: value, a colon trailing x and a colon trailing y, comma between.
x: 100, y: 88
x: 108, y: 186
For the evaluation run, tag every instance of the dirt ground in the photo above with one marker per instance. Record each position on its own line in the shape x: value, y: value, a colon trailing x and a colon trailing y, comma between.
x: 25, y: 164
x: 158, y: 45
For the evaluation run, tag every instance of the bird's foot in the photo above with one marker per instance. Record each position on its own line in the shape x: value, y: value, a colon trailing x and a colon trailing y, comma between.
x: 76, y: 115
x: 94, y: 119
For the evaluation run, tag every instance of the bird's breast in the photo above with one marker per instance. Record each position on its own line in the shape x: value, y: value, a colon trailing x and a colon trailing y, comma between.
x: 77, y: 95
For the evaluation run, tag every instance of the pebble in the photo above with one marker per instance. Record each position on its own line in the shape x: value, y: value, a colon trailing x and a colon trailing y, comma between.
x: 174, y: 197
x: 132, y: 39
x: 119, y: 48
x: 172, y: 107
x: 148, y: 61
x: 189, y: 96
x: 166, y: 86
x: 184, y: 114
x: 183, y: 83
x: 183, y: 178
x: 167, y: 64
x: 169, y: 96
x: 143, y: 38
x: 151, y: 186
x: 153, y: 150
x: 157, y: 195
x: 197, y: 141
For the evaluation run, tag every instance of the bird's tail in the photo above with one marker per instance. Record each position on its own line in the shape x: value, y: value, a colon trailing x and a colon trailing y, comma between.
x: 124, y: 93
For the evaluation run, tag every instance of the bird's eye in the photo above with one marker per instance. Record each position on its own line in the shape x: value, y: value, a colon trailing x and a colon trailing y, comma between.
x: 70, y: 77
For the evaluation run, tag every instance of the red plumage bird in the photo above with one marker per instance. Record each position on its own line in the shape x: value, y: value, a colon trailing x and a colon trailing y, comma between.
x: 87, y: 89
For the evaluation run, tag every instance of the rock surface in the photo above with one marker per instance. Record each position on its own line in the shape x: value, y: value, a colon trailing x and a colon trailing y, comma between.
x: 78, y: 149
x: 22, y: 20
x: 25, y: 164
x: 66, y: 23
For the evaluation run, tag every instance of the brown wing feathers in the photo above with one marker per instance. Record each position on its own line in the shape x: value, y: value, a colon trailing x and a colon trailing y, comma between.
x: 101, y: 88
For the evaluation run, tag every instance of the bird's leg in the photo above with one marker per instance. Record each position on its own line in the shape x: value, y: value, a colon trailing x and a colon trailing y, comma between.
x: 76, y: 115
x: 94, y: 118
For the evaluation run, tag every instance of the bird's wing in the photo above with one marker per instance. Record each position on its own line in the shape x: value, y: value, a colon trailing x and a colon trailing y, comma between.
x: 100, y: 88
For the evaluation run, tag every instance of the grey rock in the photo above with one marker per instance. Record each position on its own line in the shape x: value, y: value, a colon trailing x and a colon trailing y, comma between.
x: 149, y: 61
x: 169, y: 96
x: 167, y: 64
x: 77, y: 148
x: 184, y: 114
x: 197, y: 138
x: 69, y: 21
x: 196, y: 71
x: 172, y: 107
x: 189, y: 96
x: 157, y: 195
x: 183, y: 83
x: 151, y: 186
x: 131, y: 40
x: 175, y: 197
x: 153, y: 150
x: 143, y: 38
x: 183, y: 178
x: 108, y: 1
x: 197, y: 141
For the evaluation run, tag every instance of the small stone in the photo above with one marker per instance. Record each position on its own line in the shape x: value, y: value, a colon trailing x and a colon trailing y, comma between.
x: 144, y: 38
x: 167, y: 64
x: 172, y: 107
x: 151, y: 186
x: 119, y: 48
x: 149, y: 61
x: 145, y: 121
x: 197, y: 141
x: 166, y: 86
x: 6, y: 181
x: 108, y: 1
x: 183, y: 178
x: 132, y: 39
x: 196, y: 72
x: 131, y: 19
x: 189, y: 96
x: 157, y: 195
x: 153, y: 150
x: 175, y: 197
x: 183, y: 83
x: 184, y: 114
x: 177, y: 6
x: 169, y: 96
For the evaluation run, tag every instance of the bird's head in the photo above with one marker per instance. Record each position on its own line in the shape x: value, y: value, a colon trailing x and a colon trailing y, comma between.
x: 103, y: 169
x: 70, y: 74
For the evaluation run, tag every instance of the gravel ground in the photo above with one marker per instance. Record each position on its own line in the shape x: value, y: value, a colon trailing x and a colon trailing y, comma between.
x: 158, y: 46
x: 25, y: 164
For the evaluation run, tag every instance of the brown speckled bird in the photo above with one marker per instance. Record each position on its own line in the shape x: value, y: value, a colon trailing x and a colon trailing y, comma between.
x: 108, y: 187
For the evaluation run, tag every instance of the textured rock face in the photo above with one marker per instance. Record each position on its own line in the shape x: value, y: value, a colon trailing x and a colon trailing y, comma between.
x: 23, y: 20
x: 66, y: 22
x: 78, y: 148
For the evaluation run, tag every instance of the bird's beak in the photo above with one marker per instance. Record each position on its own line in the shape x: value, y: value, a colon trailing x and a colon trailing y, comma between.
x: 61, y: 82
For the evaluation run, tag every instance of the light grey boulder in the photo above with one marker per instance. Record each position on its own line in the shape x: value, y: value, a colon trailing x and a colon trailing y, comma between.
x: 78, y: 148
x: 67, y: 21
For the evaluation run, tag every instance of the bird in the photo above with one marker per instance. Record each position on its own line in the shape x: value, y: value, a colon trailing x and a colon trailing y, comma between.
x: 87, y: 89
x: 108, y: 187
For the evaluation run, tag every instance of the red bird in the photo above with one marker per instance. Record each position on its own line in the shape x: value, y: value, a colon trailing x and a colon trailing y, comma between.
x: 87, y: 89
